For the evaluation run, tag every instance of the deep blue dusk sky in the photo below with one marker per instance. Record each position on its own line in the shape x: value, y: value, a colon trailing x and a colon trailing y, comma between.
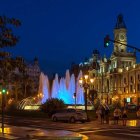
x: 59, y: 32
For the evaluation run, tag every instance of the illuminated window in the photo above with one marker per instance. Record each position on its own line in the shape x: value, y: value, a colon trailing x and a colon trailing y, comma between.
x: 115, y: 64
x: 128, y: 100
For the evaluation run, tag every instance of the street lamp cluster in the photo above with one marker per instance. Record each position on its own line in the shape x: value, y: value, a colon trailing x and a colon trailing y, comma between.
x: 4, y: 92
x: 85, y: 82
x: 40, y: 95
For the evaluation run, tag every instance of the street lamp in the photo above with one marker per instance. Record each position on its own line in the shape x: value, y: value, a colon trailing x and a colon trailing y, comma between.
x: 85, y: 82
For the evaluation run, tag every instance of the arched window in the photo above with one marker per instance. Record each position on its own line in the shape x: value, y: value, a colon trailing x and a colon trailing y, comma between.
x: 131, y: 79
x: 138, y: 77
x: 124, y: 80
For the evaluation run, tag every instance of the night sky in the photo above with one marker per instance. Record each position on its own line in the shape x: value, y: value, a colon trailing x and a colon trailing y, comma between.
x: 60, y: 32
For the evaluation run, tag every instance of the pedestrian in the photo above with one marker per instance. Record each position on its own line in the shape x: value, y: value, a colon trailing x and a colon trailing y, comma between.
x: 138, y: 113
x: 107, y: 111
x: 124, y: 117
x: 98, y: 112
x: 117, y: 113
x: 102, y: 114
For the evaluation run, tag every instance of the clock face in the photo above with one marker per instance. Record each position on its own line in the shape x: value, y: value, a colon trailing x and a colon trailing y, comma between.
x: 122, y: 37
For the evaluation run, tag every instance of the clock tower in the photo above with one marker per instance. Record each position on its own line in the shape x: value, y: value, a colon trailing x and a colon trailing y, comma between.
x: 120, y: 58
x: 120, y: 35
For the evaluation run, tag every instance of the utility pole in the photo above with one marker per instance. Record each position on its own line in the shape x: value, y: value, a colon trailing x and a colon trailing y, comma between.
x: 102, y: 85
x: 75, y: 99
x: 2, y: 109
x: 2, y: 117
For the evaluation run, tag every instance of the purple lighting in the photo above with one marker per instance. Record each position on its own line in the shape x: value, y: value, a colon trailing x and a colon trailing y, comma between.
x: 63, y: 88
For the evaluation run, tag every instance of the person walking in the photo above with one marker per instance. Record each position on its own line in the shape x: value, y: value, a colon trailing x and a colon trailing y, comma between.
x: 107, y: 111
x: 102, y: 114
x: 98, y: 112
x: 124, y: 117
x: 117, y: 113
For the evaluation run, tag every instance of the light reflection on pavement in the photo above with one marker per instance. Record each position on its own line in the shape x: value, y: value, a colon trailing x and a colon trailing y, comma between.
x: 133, y: 123
x: 35, y: 132
x: 59, y: 129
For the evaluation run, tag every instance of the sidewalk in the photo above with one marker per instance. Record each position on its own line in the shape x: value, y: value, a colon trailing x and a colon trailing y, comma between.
x: 130, y: 123
x: 28, y: 133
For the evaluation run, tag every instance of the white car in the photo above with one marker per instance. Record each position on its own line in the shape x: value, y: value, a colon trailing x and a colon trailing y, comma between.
x: 70, y: 115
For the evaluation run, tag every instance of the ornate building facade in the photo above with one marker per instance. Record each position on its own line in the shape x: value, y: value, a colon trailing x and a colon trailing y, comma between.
x: 24, y: 76
x: 33, y: 69
x: 117, y: 79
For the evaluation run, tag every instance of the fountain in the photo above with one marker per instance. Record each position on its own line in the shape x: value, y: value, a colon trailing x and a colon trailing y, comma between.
x: 63, y: 88
x: 44, y: 87
x: 29, y: 103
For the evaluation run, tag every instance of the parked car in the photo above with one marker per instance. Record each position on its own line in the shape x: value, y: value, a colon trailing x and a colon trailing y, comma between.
x: 70, y: 115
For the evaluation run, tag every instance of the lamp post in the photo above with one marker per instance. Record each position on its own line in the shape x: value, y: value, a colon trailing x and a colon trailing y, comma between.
x: 3, y: 92
x: 74, y: 95
x: 85, y: 82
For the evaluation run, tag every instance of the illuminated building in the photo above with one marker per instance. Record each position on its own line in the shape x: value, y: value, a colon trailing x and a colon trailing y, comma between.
x: 117, y: 78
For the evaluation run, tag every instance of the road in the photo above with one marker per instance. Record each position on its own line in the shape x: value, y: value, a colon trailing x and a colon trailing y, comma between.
x: 113, y: 134
x: 93, y: 129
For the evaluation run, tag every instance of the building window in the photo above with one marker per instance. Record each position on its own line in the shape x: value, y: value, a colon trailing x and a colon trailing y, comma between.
x: 131, y: 88
x: 122, y: 63
x: 125, y: 80
x: 131, y: 79
x: 115, y: 64
x: 138, y: 87
x: 138, y: 77
x: 124, y: 89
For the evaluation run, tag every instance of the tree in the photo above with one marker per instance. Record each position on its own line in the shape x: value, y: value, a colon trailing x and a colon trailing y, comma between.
x: 52, y: 105
x: 7, y: 39
x: 28, y: 85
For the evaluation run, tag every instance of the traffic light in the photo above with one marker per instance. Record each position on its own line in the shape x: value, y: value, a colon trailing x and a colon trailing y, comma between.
x: 3, y: 91
x: 106, y: 41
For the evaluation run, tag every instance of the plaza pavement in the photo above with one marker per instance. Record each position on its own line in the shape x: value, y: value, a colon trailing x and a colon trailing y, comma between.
x: 59, y: 132
x: 29, y: 133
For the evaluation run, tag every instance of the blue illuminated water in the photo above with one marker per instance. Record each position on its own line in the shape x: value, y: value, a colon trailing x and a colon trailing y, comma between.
x: 63, y: 88
x: 44, y: 88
